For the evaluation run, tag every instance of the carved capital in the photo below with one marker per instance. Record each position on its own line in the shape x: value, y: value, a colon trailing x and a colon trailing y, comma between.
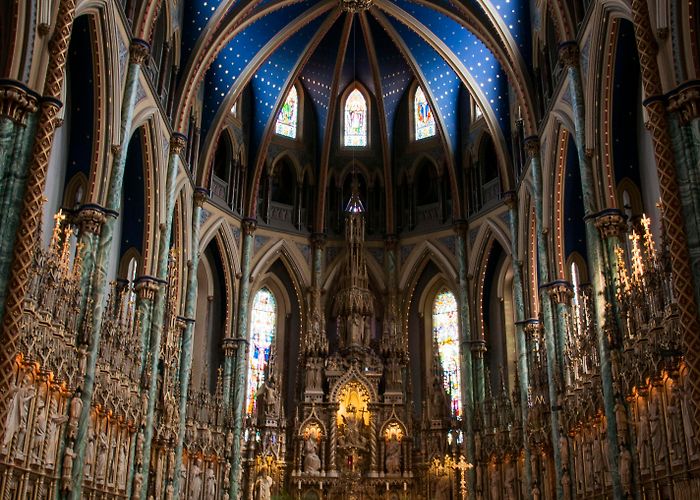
x: 686, y: 102
x: 532, y: 146
x: 116, y: 149
x: 178, y: 142
x: 478, y: 347
x: 569, y: 54
x: 229, y: 346
x: 560, y: 291
x: 532, y: 327
x: 146, y: 288
x: 91, y: 218
x: 249, y: 226
x: 17, y: 101
x: 610, y: 223
x: 510, y: 198
x: 460, y: 226
x: 200, y: 196
x: 138, y: 51
x: 318, y: 240
x: 391, y: 242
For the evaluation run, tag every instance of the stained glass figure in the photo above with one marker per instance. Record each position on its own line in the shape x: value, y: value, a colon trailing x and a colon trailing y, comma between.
x: 446, y: 333
x: 263, y: 321
x: 287, y: 119
x: 355, y: 120
x: 423, y: 116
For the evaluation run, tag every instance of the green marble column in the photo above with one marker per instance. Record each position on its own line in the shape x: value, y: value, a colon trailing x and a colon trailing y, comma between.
x: 532, y: 147
x: 90, y: 220
x: 465, y: 351
x: 139, y: 51
x: 16, y: 150
x: 570, y: 58
x: 241, y: 372
x: 188, y: 334
x: 521, y: 346
x: 177, y: 145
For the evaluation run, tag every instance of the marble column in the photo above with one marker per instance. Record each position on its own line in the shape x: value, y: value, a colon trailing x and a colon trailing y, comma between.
x: 569, y: 56
x: 532, y: 148
x: 188, y: 334
x: 519, y: 307
x: 30, y: 218
x: 239, y: 389
x: 90, y: 219
x: 138, y: 54
x: 465, y: 350
x: 177, y: 145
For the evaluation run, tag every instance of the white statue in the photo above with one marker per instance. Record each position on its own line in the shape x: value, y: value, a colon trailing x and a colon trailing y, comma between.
x: 55, y: 423
x: 17, y: 412
x: 262, y: 487
x: 76, y: 408
x: 210, y: 489
x: 393, y: 456
x: 312, y: 464
x: 195, y: 481
x: 351, y: 433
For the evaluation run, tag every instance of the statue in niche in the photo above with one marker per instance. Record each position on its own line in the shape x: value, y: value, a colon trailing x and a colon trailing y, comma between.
x: 40, y: 427
x: 625, y: 469
x: 621, y: 417
x: 495, y: 485
x: 566, y: 485
x: 268, y: 396
x: 100, y: 467
x: 138, y: 484
x: 643, y: 437
x: 122, y: 466
x: 312, y: 464
x: 510, y: 480
x: 688, y: 427
x: 55, y: 423
x: 352, y: 436
x: 76, y: 409
x: 263, y: 485
x: 68, y: 457
x: 17, y: 413
x: 564, y: 449
x: 90, y: 452
x: 657, y: 438
x: 366, y: 332
x: 195, y: 480
x: 210, y: 480
x: 393, y: 375
x: 393, y: 456
x: 675, y: 424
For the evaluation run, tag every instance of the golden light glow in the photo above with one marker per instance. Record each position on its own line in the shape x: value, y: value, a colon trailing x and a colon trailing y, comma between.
x: 393, y: 431
x: 353, y: 398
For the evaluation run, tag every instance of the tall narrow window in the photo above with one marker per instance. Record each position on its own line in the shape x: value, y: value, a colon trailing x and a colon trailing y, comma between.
x: 446, y: 333
x: 355, y: 120
x: 287, y: 119
x: 423, y: 116
x: 263, y: 320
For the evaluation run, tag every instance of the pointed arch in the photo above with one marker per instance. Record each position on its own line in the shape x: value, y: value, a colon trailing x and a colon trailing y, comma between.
x: 355, y: 117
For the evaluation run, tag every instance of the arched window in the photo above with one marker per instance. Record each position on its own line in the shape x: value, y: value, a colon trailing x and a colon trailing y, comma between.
x: 263, y: 320
x: 355, y: 120
x: 446, y: 333
x: 287, y: 119
x: 423, y: 116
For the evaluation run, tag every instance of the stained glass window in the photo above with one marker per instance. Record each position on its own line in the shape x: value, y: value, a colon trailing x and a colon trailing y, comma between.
x: 446, y: 333
x: 423, y: 116
x: 287, y: 119
x: 263, y: 320
x: 355, y: 120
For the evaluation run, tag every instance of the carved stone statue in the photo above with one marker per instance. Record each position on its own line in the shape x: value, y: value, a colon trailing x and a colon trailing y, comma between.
x: 210, y: 488
x: 76, y: 408
x: 675, y: 423
x: 263, y: 485
x: 566, y: 485
x: 510, y: 481
x: 621, y: 416
x: 267, y: 398
x: 393, y: 456
x: 89, y: 453
x: 122, y: 466
x: 657, y: 438
x: 39, y: 430
x: 68, y: 468
x: 495, y: 485
x: 312, y: 464
x: 55, y: 423
x: 17, y: 412
x: 138, y: 484
x: 195, y: 481
x: 564, y: 449
x: 351, y: 433
x: 101, y: 465
x: 625, y: 469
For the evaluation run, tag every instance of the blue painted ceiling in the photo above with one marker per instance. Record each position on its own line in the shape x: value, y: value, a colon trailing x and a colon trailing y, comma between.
x: 275, y: 42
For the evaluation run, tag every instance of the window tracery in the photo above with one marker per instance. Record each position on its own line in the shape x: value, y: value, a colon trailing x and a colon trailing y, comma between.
x: 423, y: 116
x: 355, y: 131
x: 263, y: 320
x: 446, y: 333
x: 288, y: 116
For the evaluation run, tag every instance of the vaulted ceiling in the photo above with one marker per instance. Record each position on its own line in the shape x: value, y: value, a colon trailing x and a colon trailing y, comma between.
x: 267, y: 45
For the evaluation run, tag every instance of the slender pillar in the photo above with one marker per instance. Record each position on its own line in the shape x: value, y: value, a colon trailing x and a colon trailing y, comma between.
x: 465, y: 351
x: 560, y: 292
x: 188, y: 334
x: 177, y: 145
x: 90, y: 220
x: 16, y: 101
x: 519, y: 306
x: 239, y: 394
x: 30, y: 220
x: 478, y: 348
x: 139, y: 51
x: 532, y: 147
x: 674, y: 224
x: 569, y: 55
